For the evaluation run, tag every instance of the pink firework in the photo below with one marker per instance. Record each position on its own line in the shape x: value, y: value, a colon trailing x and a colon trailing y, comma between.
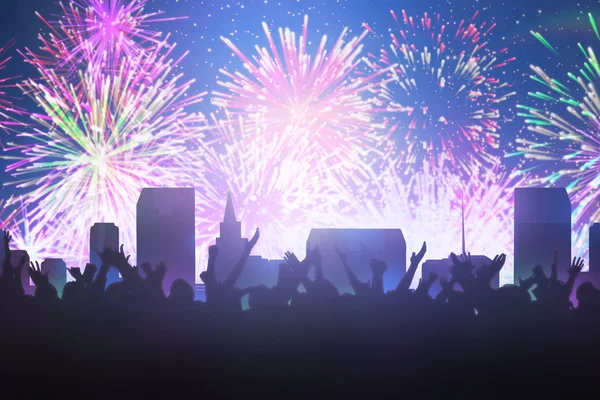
x: 442, y: 97
x: 315, y: 102
x: 98, y: 34
x: 8, y: 109
x: 96, y: 142
x: 271, y: 189
x: 427, y: 207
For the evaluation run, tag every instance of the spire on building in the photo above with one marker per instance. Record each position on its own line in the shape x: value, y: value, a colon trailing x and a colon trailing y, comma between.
x: 229, y: 211
x: 462, y: 201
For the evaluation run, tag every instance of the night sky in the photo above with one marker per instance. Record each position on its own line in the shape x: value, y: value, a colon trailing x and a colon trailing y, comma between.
x: 563, y: 24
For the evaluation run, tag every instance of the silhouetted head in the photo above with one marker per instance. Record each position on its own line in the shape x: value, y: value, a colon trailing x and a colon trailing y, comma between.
x: 259, y: 297
x: 181, y: 292
x: 587, y: 294
x: 73, y: 292
x: 511, y: 298
x: 46, y: 293
x: 117, y: 292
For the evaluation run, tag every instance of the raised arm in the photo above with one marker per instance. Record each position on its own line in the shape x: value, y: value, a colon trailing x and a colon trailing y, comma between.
x: 415, y: 260
x: 209, y: 276
x: 99, y: 283
x: 425, y: 284
x: 360, y: 288
x: 378, y: 269
x: 447, y: 289
x: 574, y: 271
x: 7, y: 252
x: 235, y: 273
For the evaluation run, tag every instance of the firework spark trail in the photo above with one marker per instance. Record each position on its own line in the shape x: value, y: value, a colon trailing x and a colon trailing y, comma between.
x: 427, y: 207
x: 315, y: 101
x: 8, y: 110
x: 442, y: 100
x: 41, y: 241
x: 271, y: 190
x: 98, y: 34
x: 97, y: 144
x: 564, y: 132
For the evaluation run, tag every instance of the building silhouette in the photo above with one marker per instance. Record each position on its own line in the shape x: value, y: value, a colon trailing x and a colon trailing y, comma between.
x: 594, y: 254
x: 166, y: 232
x: 542, y: 224
x: 230, y: 242
x: 360, y: 245
x: 57, y: 273
x: 104, y: 234
x: 442, y: 267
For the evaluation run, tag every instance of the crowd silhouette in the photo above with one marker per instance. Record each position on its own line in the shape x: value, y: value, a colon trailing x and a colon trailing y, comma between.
x: 300, y: 337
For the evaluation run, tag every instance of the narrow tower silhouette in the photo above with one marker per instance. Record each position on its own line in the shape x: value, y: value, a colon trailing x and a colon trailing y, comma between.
x: 230, y: 241
x: 462, y: 203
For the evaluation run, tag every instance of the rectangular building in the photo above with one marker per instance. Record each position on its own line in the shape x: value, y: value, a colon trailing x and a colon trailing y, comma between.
x: 56, y: 269
x: 542, y: 224
x: 166, y: 232
x: 594, y: 253
x: 104, y: 234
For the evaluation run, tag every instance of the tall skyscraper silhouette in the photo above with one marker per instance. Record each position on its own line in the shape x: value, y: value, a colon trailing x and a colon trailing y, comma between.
x: 104, y: 234
x: 542, y: 224
x: 166, y: 232
x: 594, y: 252
x: 230, y: 242
x: 360, y: 245
x: 57, y: 273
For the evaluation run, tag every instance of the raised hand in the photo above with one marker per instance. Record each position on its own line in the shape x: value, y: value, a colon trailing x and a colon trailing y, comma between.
x: 498, y: 262
x: 416, y: 258
x: 291, y: 259
x: 75, y: 272
x: 35, y: 273
x: 576, y: 266
x: 252, y: 242
x: 425, y: 285
x: 7, y: 252
x: 122, y: 259
x: 89, y: 273
x: 7, y: 238
x: 446, y: 284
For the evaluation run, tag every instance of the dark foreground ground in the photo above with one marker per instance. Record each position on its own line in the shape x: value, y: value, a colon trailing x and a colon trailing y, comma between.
x: 108, y: 353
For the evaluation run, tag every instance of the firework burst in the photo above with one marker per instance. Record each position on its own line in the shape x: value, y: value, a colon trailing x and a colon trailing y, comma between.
x: 271, y: 189
x: 96, y: 144
x: 427, y: 207
x: 7, y: 108
x: 98, y: 34
x: 313, y: 103
x: 441, y: 99
x: 564, y: 127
